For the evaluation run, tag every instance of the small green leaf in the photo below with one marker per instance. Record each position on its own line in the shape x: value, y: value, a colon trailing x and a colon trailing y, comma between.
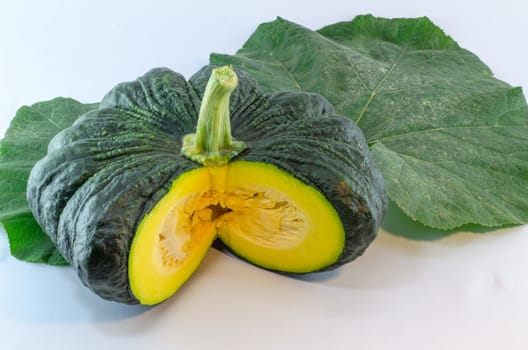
x: 25, y: 142
x: 449, y: 138
x: 29, y: 243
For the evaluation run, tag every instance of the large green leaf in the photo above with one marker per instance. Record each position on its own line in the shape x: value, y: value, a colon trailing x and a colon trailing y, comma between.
x: 450, y: 139
x: 25, y: 142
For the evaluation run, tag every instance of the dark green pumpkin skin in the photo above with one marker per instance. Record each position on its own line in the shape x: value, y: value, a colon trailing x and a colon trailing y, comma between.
x: 103, y: 174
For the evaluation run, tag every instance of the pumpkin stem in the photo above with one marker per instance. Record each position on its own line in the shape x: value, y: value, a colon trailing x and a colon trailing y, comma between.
x: 212, y: 144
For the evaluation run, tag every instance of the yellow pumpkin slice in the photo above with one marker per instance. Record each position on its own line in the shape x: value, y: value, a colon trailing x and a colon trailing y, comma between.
x: 262, y: 213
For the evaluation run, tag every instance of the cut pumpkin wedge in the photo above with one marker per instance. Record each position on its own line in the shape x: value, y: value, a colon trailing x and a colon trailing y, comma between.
x: 262, y: 213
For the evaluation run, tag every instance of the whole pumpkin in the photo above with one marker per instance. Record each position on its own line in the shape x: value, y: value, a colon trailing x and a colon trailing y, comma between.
x: 135, y: 192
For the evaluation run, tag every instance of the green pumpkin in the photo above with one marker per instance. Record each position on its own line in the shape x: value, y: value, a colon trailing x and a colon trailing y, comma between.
x: 135, y: 192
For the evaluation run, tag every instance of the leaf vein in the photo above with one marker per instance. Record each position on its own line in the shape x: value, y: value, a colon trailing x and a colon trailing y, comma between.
x: 378, y: 86
x: 50, y: 120
x: 445, y: 129
x: 290, y: 75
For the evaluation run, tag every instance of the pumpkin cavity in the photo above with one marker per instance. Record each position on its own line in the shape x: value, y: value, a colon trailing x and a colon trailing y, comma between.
x: 264, y: 217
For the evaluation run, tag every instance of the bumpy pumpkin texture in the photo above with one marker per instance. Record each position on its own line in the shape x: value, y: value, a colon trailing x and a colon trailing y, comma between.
x: 134, y: 216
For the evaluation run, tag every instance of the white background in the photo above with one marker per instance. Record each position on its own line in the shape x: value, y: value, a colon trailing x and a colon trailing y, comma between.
x: 467, y: 290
